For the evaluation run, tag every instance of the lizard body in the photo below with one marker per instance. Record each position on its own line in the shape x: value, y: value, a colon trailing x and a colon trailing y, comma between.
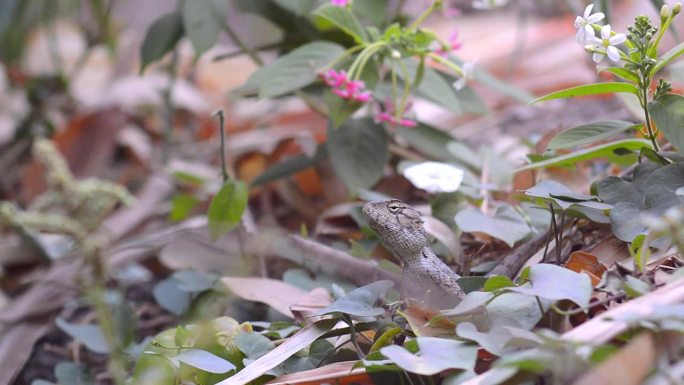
x: 400, y: 228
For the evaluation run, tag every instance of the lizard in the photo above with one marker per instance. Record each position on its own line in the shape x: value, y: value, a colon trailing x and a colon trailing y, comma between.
x: 400, y: 229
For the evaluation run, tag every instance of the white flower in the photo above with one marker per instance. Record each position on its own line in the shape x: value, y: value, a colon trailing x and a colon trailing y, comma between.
x: 488, y: 4
x: 468, y: 72
x: 434, y: 177
x: 585, y: 32
x: 608, y: 42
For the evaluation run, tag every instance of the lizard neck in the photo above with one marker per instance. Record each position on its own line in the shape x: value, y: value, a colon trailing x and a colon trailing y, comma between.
x: 425, y: 253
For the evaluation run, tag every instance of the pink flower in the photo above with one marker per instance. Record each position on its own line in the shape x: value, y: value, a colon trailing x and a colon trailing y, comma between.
x: 339, y: 3
x: 454, y: 44
x: 335, y: 79
x: 387, y: 116
x: 345, y: 88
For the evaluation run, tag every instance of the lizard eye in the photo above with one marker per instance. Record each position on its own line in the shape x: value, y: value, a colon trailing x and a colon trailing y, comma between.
x: 393, y: 207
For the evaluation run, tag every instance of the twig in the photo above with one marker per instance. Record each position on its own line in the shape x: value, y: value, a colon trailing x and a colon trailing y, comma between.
x: 222, y: 131
x: 324, y: 258
x: 352, y: 336
x: 510, y: 265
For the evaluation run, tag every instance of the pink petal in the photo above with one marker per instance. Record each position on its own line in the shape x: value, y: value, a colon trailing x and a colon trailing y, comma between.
x: 408, y: 123
x: 363, y: 97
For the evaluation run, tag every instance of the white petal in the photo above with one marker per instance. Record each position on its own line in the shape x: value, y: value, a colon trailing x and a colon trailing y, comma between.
x: 460, y: 84
x: 434, y: 177
x: 595, y: 18
x: 605, y: 32
x: 618, y: 39
x: 597, y: 57
x: 579, y: 36
x: 578, y: 22
x: 587, y: 10
x: 589, y: 32
x: 613, y: 53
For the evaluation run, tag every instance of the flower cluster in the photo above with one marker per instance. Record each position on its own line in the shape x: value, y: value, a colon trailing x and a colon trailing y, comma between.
x: 344, y: 87
x: 599, y: 47
x: 340, y: 3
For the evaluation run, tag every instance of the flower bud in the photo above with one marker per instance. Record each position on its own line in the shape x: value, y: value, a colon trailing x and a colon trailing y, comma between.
x: 590, y: 48
x: 649, y: 36
x: 677, y: 8
x: 664, y: 12
x: 396, y: 54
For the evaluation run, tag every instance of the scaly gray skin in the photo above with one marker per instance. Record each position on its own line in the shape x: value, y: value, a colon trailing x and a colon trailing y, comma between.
x: 400, y: 228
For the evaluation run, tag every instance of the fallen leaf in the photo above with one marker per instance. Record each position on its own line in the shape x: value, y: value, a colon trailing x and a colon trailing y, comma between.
x: 277, y: 294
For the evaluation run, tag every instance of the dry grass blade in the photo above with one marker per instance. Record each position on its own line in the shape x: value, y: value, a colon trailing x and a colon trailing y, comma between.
x: 339, y: 372
x: 275, y: 357
x: 277, y: 294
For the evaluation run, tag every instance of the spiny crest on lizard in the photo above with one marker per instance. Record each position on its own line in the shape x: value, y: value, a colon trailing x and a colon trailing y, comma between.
x: 399, y: 226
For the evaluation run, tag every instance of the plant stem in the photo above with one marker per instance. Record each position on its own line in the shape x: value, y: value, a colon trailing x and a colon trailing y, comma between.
x: 167, y: 97
x: 644, y: 105
x: 222, y: 131
x: 352, y: 336
x: 424, y: 15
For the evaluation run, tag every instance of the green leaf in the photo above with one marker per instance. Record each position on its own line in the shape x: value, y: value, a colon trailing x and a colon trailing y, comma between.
x: 556, y: 192
x: 428, y: 140
x: 204, y: 360
x: 170, y: 297
x: 339, y: 109
x: 342, y: 19
x: 622, y: 73
x: 181, y: 206
x: 373, y: 11
x: 604, y: 150
x: 668, y: 57
x: 161, y: 38
x: 89, y: 335
x: 589, y: 133
x: 435, y: 355
x: 556, y: 283
x: 589, y: 89
x: 668, y: 115
x: 227, y: 207
x: 360, y: 302
x: 358, y: 151
x: 298, y: 69
x: 497, y: 282
x: 203, y: 21
x: 290, y: 166
x: 506, y: 224
x: 496, y: 338
x: 433, y: 86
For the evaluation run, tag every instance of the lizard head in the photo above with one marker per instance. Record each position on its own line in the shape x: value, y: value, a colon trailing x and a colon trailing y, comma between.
x: 399, y: 226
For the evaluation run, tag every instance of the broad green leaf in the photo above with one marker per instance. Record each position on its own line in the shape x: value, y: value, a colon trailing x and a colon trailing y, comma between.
x: 433, y: 86
x: 161, y: 38
x: 482, y: 76
x: 293, y: 71
x: 604, y: 150
x: 428, y: 140
x: 203, y: 21
x: 181, y: 206
x: 358, y: 151
x: 227, y: 207
x: 622, y: 73
x: 289, y: 166
x: 516, y: 309
x: 556, y: 283
x: 373, y: 11
x: 360, y: 302
x: 170, y: 297
x: 650, y: 191
x: 342, y: 19
x: 667, y: 113
x: 68, y: 373
x: 551, y: 190
x: 497, y: 339
x: 474, y: 303
x: 506, y: 224
x: 589, y: 133
x: 298, y: 7
x: 668, y: 57
x: 589, y: 89
x: 89, y: 335
x: 435, y: 355
x: 204, y: 360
